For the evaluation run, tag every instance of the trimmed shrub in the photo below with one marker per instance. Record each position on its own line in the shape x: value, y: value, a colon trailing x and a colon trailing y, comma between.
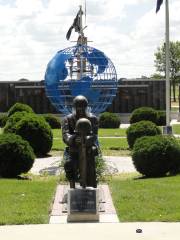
x: 143, y: 113
x: 19, y: 107
x: 140, y: 129
x: 37, y: 132
x: 109, y: 120
x: 155, y: 156
x: 53, y: 121
x: 16, y: 155
x: 3, y: 119
x: 10, y: 126
x: 100, y: 167
x: 161, y: 118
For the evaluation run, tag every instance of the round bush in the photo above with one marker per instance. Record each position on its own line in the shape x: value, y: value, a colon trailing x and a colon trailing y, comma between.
x: 3, y: 119
x: 53, y: 121
x: 155, y: 156
x: 140, y: 129
x: 37, y: 132
x: 109, y: 120
x: 143, y: 113
x: 10, y: 126
x: 19, y: 107
x: 161, y: 118
x: 16, y: 155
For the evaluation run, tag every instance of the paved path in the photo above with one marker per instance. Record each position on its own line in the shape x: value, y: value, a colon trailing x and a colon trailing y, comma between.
x: 122, y: 164
x: 89, y: 231
x: 50, y: 165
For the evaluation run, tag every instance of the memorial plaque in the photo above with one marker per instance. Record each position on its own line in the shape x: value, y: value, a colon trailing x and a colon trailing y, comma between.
x: 83, y: 201
x: 83, y: 205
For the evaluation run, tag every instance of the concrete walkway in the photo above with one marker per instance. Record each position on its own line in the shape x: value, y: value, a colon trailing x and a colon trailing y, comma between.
x: 50, y: 165
x: 89, y: 231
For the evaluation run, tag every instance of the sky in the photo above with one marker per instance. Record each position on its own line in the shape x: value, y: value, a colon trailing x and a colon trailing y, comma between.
x: 127, y: 31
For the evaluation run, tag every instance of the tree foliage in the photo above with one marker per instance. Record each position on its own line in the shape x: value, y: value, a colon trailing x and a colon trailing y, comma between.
x: 160, y: 62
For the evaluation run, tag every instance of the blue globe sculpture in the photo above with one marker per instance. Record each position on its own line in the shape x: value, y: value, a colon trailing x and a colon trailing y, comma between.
x: 81, y: 70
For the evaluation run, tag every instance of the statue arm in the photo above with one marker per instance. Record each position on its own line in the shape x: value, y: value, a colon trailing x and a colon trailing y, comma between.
x: 68, y: 138
x: 92, y: 139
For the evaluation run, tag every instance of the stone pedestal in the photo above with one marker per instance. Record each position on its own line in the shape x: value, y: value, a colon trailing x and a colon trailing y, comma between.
x: 83, y: 205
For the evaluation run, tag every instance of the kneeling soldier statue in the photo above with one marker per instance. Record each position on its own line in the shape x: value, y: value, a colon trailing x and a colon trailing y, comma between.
x: 79, y: 131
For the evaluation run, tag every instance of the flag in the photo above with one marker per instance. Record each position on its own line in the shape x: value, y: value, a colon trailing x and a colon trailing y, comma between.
x: 75, y: 25
x: 159, y: 2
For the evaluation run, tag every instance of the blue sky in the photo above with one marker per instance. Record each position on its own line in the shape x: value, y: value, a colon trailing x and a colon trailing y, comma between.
x: 127, y: 31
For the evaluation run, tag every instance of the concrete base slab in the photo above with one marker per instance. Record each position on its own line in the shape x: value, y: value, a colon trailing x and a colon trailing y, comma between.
x: 89, y: 231
x: 58, y: 219
x: 108, y: 215
x: 108, y: 218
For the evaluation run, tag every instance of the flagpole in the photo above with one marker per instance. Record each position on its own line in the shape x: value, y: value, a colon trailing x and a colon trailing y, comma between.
x: 168, y: 128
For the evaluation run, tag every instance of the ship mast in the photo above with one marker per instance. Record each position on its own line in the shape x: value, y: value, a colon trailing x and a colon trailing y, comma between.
x: 82, y: 40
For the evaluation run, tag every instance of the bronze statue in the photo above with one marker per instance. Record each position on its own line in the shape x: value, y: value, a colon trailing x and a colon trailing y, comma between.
x: 79, y: 131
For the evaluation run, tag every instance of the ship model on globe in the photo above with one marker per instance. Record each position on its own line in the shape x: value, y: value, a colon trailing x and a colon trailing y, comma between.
x: 81, y: 82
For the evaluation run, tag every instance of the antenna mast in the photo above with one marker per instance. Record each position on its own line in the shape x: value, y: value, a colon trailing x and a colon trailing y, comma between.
x: 81, y: 39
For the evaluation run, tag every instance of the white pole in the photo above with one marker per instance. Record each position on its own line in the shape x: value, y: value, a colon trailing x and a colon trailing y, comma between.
x: 167, y: 66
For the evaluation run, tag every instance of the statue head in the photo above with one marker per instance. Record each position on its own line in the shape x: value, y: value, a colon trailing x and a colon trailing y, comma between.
x: 80, y: 104
x: 83, y: 126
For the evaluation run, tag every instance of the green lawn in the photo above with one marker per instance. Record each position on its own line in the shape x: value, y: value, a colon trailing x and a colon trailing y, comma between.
x: 156, y: 199
x: 176, y: 128
x: 116, y: 132
x: 109, y: 146
x: 113, y: 143
x: 58, y: 144
x: 26, y: 201
x: 57, y: 133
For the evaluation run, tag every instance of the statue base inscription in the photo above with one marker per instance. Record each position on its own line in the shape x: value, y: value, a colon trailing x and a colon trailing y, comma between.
x: 83, y: 205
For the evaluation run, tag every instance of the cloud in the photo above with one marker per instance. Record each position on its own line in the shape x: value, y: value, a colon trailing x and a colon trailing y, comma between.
x: 33, y: 31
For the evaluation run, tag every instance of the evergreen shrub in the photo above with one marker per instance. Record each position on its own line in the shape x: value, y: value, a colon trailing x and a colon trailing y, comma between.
x: 144, y: 113
x: 140, y: 129
x: 53, y: 121
x: 10, y: 126
x: 36, y: 131
x: 3, y: 119
x: 161, y: 118
x: 19, y: 107
x: 155, y: 156
x: 16, y: 155
x: 109, y: 120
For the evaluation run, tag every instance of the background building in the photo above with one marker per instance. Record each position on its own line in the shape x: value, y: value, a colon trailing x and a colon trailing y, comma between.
x: 132, y: 93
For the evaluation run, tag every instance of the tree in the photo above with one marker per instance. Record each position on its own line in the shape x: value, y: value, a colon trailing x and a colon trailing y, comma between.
x: 160, y: 62
x: 156, y: 76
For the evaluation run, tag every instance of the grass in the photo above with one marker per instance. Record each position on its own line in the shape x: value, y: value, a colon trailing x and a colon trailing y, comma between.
x: 58, y: 145
x: 176, y: 128
x: 109, y: 146
x: 113, y: 144
x: 116, y: 132
x: 112, y: 132
x: 156, y: 199
x: 26, y: 201
x: 107, y: 152
x: 57, y: 133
